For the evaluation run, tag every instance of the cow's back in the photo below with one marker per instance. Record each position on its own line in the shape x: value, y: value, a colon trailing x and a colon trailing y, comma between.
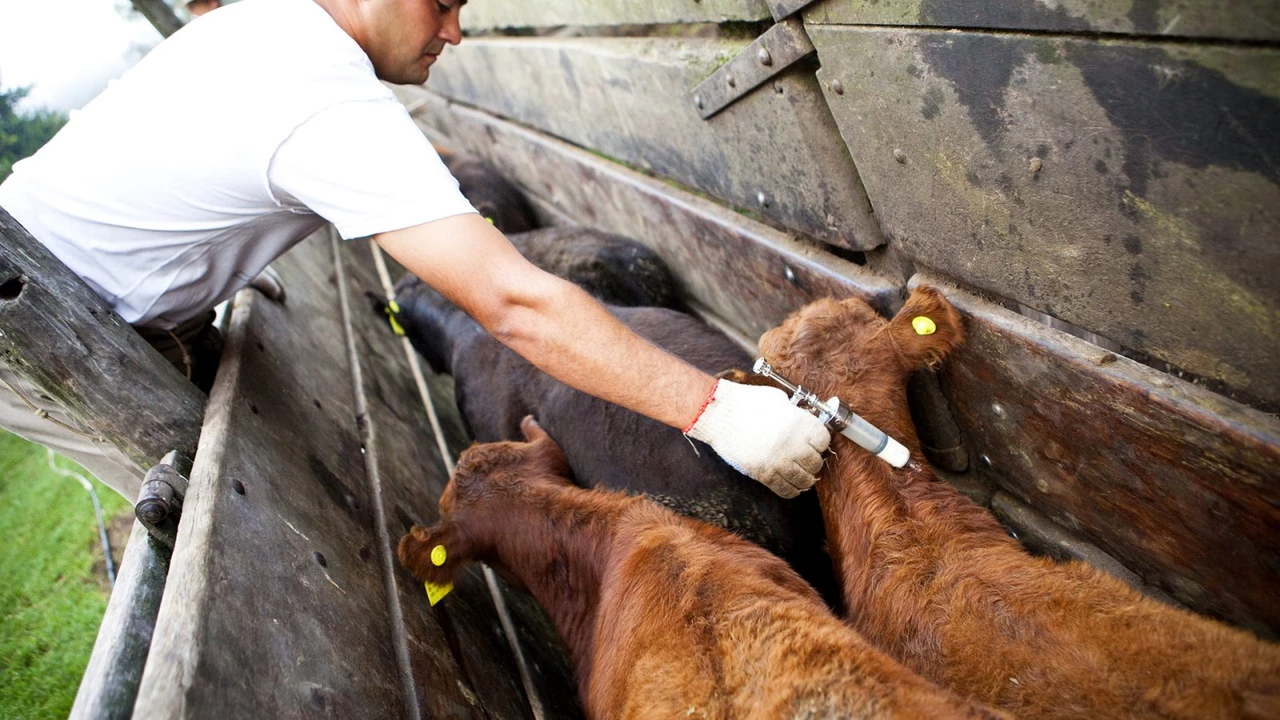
x: 610, y: 446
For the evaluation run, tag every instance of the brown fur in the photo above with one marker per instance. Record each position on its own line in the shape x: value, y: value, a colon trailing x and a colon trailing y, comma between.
x: 930, y: 577
x: 665, y: 616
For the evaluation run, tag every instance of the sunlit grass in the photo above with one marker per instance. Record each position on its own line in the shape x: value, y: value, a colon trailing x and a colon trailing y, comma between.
x: 51, y: 602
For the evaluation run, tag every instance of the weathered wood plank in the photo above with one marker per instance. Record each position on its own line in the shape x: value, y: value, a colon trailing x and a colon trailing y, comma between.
x: 459, y: 643
x: 1131, y: 189
x: 493, y: 14
x: 1230, y: 19
x: 109, y: 685
x: 57, y: 332
x: 276, y: 604
x: 775, y: 152
x: 1176, y: 482
x: 750, y: 275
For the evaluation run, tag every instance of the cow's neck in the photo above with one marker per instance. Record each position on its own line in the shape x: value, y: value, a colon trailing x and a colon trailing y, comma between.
x: 559, y: 550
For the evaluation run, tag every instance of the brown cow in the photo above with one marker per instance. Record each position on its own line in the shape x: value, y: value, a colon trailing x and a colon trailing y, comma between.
x: 930, y: 577
x: 666, y: 617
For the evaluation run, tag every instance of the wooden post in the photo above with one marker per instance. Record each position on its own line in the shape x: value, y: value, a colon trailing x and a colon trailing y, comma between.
x: 55, y: 331
x: 110, y: 683
x: 159, y: 14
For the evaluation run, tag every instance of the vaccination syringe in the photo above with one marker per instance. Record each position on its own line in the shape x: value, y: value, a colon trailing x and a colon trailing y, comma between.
x: 838, y: 417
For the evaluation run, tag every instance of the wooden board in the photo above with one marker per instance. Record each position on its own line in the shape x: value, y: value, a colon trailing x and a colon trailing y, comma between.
x: 109, y: 685
x: 1179, y: 484
x: 58, y: 333
x: 775, y: 152
x: 492, y: 14
x: 1232, y: 19
x: 748, y: 274
x: 412, y: 474
x: 1128, y: 188
x: 277, y: 600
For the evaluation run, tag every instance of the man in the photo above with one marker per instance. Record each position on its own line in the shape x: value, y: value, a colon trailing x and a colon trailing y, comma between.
x: 164, y: 228
x: 200, y: 7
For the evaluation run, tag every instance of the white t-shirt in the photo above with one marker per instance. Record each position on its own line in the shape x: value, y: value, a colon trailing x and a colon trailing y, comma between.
x: 229, y: 143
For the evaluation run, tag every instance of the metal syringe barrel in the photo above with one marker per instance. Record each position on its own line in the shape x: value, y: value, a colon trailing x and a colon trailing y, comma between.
x: 838, y: 417
x: 868, y: 436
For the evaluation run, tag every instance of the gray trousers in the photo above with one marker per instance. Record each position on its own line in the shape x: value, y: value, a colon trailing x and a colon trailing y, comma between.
x: 194, y: 348
x: 98, y: 456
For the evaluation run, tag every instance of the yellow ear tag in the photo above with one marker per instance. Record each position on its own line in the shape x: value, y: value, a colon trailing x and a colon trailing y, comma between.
x: 393, y: 308
x: 436, y: 593
x: 923, y: 325
x: 491, y: 222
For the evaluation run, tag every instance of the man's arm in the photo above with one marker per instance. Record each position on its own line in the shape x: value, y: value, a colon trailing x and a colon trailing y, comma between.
x: 569, y: 335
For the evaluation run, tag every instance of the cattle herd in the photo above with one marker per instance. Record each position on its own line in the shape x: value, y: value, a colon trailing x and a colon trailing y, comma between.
x: 683, y: 589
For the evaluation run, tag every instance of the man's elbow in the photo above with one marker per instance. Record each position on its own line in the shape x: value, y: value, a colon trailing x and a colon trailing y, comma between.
x: 519, y: 316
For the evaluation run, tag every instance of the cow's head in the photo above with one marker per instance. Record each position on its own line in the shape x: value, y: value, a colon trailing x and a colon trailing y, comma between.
x: 845, y: 348
x: 489, y: 480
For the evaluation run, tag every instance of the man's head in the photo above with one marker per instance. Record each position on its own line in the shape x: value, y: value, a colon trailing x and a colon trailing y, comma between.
x: 401, y: 37
x: 200, y: 7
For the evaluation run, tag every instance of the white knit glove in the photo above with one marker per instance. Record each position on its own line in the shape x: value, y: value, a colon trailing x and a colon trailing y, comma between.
x: 761, y: 434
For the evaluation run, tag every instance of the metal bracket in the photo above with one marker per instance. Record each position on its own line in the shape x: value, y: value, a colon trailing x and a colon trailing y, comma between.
x: 159, y: 505
x: 778, y: 49
x: 781, y: 9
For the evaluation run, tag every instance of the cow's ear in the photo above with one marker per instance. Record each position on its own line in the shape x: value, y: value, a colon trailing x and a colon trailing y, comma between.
x: 545, y: 450
x: 436, y: 553
x: 743, y: 377
x: 927, y: 328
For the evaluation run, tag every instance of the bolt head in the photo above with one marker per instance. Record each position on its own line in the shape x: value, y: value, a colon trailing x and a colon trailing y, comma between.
x: 900, y: 156
x: 697, y: 101
x: 837, y: 87
x: 732, y: 82
x: 764, y: 57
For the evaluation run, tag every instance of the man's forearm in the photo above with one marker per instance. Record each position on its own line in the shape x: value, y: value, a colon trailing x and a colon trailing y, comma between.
x: 550, y: 322
x: 567, y: 334
x: 573, y: 338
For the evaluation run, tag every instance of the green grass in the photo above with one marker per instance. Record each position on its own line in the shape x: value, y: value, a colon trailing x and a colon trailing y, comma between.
x: 51, y: 602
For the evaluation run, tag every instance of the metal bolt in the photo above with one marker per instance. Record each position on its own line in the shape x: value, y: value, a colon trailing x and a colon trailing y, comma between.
x: 998, y: 409
x: 764, y: 57
x: 837, y: 87
x: 900, y: 156
x: 762, y: 199
x: 697, y: 100
x: 732, y: 83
